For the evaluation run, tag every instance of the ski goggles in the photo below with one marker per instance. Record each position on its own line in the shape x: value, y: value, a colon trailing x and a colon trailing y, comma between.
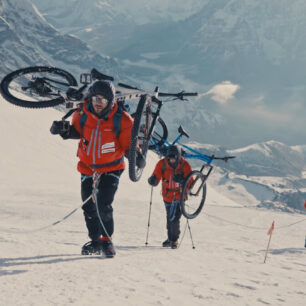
x: 98, y: 99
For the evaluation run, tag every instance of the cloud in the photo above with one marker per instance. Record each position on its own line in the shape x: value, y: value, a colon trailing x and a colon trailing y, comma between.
x: 222, y: 92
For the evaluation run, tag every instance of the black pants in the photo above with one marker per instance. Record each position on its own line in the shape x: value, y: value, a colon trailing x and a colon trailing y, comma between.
x: 102, y: 211
x: 173, y: 220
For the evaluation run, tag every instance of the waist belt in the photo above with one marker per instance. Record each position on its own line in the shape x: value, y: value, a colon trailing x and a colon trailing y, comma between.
x: 115, y: 162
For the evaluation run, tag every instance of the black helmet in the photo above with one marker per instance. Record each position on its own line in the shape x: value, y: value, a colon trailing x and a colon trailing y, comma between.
x: 107, y: 90
x: 173, y: 152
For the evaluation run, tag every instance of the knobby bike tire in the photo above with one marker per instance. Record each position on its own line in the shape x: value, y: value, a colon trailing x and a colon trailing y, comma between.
x: 8, y: 79
x: 135, y: 172
x: 158, y: 140
x: 186, y: 197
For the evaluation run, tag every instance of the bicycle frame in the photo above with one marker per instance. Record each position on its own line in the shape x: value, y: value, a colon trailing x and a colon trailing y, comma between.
x: 191, y: 153
x: 155, y: 115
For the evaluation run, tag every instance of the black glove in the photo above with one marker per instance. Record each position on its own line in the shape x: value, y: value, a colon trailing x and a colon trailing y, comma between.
x: 60, y: 127
x: 140, y: 160
x: 152, y: 180
x: 178, y: 178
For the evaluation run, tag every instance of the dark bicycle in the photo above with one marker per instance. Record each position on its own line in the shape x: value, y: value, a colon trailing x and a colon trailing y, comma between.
x: 193, y: 192
x: 42, y: 87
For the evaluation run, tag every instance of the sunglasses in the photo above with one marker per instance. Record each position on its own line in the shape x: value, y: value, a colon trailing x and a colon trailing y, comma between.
x: 101, y: 100
x: 172, y: 156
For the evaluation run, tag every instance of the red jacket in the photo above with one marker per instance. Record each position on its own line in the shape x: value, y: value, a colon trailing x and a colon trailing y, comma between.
x: 99, y: 148
x: 164, y: 172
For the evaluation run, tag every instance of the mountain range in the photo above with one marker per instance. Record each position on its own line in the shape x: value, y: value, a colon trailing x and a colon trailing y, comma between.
x: 272, y: 174
x: 259, y: 47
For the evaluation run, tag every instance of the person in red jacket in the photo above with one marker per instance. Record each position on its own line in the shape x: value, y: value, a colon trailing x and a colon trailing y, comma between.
x: 101, y: 153
x: 172, y: 170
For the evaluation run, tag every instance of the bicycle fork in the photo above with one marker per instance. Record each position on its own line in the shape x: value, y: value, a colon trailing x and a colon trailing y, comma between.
x: 203, y: 182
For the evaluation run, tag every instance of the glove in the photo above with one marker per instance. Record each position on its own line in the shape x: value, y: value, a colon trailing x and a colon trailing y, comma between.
x: 140, y: 160
x: 178, y: 178
x: 152, y: 180
x: 60, y: 127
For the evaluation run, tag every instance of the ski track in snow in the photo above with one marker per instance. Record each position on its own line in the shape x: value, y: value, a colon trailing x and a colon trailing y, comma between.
x: 39, y: 185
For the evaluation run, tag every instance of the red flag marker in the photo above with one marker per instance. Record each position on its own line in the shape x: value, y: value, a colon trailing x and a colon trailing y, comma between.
x: 305, y: 204
x: 271, y: 229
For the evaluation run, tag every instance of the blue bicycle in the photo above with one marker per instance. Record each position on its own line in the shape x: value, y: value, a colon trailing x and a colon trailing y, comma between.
x: 193, y: 189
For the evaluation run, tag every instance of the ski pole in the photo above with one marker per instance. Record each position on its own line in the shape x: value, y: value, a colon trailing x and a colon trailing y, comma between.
x: 149, y: 215
x: 190, y: 234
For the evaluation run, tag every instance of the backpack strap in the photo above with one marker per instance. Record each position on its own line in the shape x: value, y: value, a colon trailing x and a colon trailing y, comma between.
x: 163, y: 167
x: 117, y: 118
x: 83, y: 118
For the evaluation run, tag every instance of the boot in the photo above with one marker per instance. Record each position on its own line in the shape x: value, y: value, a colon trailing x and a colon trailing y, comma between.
x: 166, y: 244
x: 92, y: 247
x: 108, y: 248
x: 173, y: 244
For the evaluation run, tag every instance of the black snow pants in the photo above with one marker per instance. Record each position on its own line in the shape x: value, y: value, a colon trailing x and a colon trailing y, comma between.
x: 173, y: 220
x: 99, y: 216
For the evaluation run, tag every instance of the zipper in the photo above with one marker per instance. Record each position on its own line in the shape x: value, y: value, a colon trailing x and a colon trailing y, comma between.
x: 99, y: 145
x: 90, y: 142
x: 95, y: 143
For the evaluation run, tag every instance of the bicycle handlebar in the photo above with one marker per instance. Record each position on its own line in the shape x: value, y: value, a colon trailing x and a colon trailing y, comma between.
x: 225, y: 158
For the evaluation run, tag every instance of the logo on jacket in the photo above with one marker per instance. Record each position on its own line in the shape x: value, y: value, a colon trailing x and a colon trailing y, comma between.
x: 108, y: 147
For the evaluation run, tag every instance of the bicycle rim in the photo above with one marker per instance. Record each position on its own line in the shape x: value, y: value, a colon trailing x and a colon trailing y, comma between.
x: 16, y: 86
x: 160, y: 134
x: 193, y: 194
x: 140, y: 136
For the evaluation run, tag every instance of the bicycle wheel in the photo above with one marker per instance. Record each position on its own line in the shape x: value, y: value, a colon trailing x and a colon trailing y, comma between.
x: 140, y: 136
x: 37, y: 86
x: 159, y: 135
x: 193, y: 194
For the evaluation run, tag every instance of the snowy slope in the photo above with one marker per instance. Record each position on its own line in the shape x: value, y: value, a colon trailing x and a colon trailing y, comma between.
x: 39, y: 185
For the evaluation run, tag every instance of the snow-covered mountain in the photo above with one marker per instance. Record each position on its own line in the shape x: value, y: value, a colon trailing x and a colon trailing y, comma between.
x: 26, y: 39
x: 259, y: 45
x: 272, y: 174
x: 244, y: 36
x: 105, y: 23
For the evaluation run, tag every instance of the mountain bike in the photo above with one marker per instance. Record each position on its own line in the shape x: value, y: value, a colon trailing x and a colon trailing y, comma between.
x: 193, y: 189
x: 42, y: 87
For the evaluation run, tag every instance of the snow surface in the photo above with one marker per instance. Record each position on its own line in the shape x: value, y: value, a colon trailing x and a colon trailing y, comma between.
x: 39, y: 185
